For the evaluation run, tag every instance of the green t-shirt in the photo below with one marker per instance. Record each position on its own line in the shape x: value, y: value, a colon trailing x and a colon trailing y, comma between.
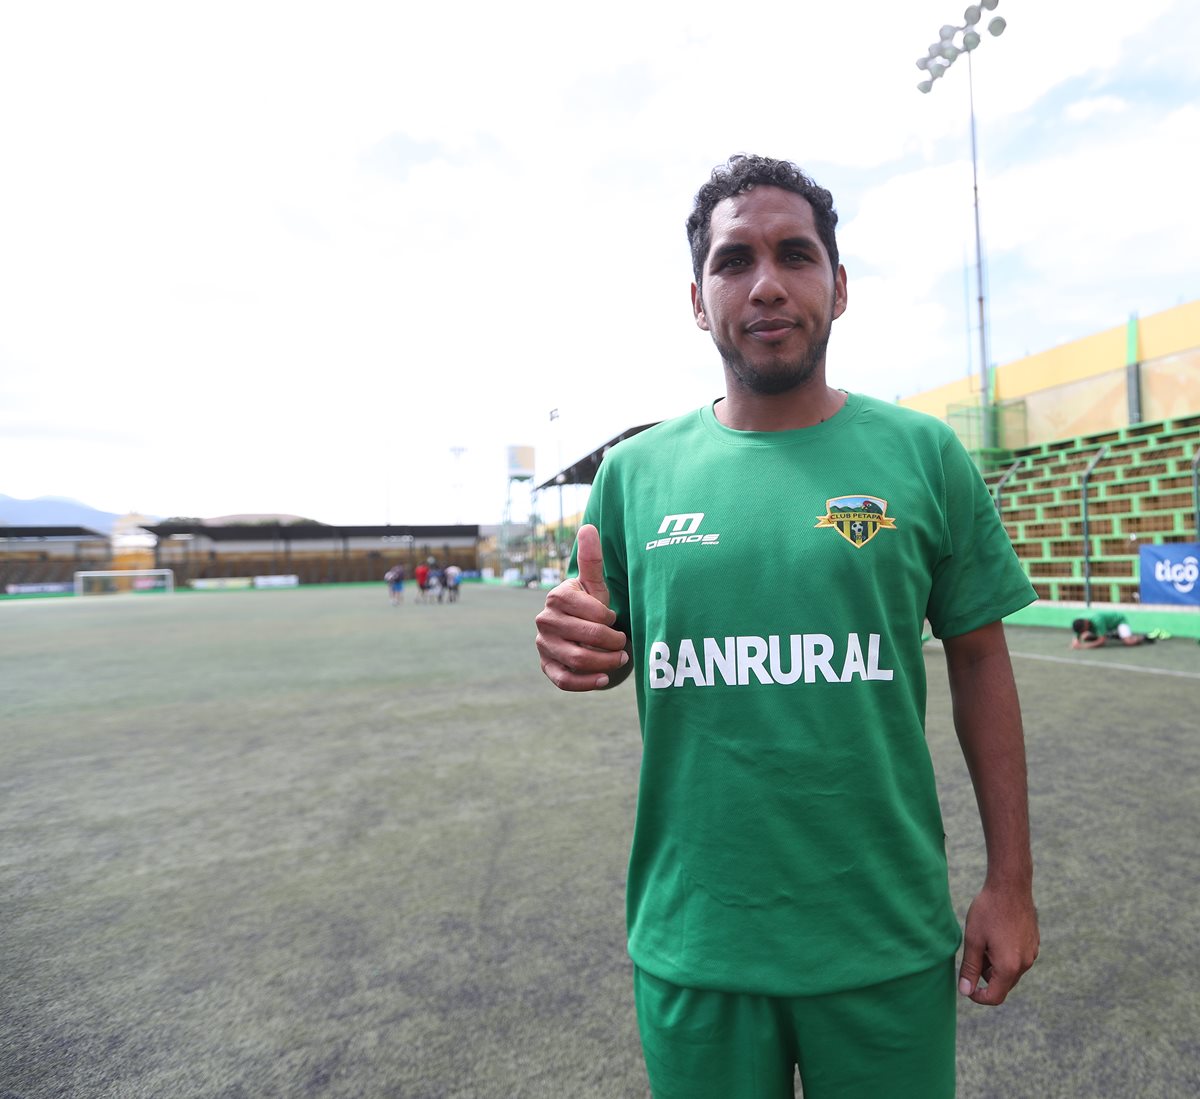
x: 788, y: 839
x: 1105, y: 622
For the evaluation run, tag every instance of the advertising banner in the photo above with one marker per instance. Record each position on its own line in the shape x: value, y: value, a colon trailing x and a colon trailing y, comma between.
x: 1171, y: 574
x: 289, y: 581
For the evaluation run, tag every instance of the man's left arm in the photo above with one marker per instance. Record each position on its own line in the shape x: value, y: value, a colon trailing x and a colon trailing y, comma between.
x: 1001, y: 934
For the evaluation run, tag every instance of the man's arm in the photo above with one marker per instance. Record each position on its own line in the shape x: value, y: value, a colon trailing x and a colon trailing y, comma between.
x: 580, y: 650
x: 1085, y: 643
x: 1001, y: 935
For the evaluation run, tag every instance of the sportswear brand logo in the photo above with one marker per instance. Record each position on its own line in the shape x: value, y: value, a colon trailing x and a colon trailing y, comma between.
x: 681, y: 530
x: 856, y: 518
x: 681, y: 524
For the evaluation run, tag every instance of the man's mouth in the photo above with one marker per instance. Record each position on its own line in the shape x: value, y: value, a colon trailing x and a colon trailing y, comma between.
x: 774, y: 326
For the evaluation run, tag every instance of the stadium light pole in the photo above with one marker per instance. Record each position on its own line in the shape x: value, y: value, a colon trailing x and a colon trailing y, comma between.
x: 562, y: 526
x: 556, y: 419
x: 458, y: 452
x: 942, y: 54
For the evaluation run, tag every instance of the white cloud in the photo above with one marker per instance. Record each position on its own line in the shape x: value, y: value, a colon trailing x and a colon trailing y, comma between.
x: 1084, y: 110
x: 1101, y: 232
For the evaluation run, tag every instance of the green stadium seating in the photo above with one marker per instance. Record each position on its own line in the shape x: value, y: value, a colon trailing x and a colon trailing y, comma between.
x: 1140, y: 491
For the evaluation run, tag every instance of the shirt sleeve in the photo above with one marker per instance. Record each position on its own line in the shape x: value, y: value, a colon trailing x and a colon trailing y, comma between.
x: 978, y: 578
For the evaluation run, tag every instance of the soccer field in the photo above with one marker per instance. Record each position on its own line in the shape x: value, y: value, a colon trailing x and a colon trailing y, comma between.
x: 301, y: 843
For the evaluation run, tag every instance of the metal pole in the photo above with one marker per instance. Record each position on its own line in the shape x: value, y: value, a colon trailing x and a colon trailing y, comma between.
x: 1087, y: 544
x: 941, y: 56
x: 458, y: 452
x: 535, y: 542
x: 985, y: 401
x: 556, y: 419
x: 1003, y: 481
x: 1196, y: 489
x: 558, y: 546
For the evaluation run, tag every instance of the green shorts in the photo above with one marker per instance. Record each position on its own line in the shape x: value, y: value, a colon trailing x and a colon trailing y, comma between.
x: 895, y: 1039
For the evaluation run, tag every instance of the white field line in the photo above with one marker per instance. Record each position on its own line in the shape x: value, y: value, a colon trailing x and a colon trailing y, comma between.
x: 1106, y: 664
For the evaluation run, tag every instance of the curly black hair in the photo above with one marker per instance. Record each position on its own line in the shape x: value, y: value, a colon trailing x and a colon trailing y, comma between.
x: 741, y: 173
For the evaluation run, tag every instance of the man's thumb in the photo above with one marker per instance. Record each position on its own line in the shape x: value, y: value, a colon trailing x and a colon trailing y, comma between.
x: 590, y: 559
x: 969, y: 971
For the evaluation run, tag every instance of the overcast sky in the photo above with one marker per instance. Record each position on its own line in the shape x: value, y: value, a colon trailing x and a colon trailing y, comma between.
x: 284, y: 257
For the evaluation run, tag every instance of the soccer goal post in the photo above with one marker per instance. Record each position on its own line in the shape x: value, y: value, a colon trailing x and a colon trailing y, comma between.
x: 116, y: 581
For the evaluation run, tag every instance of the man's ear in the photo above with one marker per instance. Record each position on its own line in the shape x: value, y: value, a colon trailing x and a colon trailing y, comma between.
x: 840, y: 298
x: 698, y: 308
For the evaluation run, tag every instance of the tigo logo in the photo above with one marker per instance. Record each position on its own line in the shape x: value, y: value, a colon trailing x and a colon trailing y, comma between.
x: 1182, y: 575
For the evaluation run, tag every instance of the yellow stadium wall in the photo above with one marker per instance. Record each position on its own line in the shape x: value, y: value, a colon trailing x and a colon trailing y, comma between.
x: 937, y: 402
x: 1079, y: 388
x: 1083, y: 406
x: 1169, y: 386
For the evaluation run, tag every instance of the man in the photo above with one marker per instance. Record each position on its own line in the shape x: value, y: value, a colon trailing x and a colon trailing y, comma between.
x: 1094, y: 632
x: 434, y: 587
x: 787, y: 894
x: 453, y: 577
x: 421, y: 576
x: 395, y: 581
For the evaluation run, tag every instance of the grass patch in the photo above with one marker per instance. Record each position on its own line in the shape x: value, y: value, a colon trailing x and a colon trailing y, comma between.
x: 302, y: 843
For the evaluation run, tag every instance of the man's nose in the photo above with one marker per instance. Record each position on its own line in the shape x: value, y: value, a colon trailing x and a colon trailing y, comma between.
x: 768, y: 288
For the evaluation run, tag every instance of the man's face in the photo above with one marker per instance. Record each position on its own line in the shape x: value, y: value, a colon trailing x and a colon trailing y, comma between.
x: 769, y: 294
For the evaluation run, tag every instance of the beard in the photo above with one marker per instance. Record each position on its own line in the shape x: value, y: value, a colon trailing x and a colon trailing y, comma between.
x: 780, y: 374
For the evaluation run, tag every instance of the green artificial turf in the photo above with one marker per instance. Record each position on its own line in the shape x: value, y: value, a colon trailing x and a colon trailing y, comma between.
x: 302, y: 843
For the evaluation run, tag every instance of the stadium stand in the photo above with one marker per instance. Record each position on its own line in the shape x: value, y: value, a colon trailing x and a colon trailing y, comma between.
x: 314, y: 552
x: 49, y: 555
x: 1141, y: 490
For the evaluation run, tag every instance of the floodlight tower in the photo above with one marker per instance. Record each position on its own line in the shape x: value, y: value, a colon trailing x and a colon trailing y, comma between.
x: 458, y: 452
x: 556, y: 419
x: 942, y: 54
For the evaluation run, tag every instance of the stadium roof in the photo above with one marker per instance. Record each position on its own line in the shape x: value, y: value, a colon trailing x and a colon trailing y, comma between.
x: 51, y: 532
x: 299, y: 532
x: 583, y: 472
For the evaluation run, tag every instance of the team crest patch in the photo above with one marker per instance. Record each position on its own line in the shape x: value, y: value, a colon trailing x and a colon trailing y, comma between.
x: 856, y: 518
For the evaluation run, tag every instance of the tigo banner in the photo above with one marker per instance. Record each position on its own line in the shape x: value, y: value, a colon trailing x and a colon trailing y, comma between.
x: 1171, y: 574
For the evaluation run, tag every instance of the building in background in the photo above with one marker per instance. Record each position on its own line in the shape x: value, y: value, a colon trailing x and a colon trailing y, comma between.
x: 1144, y: 371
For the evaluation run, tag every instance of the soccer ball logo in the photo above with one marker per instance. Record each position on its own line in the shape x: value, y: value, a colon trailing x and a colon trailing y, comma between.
x: 857, y: 530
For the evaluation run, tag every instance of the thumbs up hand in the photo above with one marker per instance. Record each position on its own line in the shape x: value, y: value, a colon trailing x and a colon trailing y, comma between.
x: 579, y: 649
x: 590, y: 560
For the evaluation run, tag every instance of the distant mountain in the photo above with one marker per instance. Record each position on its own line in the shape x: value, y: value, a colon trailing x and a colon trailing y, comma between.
x: 256, y: 518
x: 54, y: 511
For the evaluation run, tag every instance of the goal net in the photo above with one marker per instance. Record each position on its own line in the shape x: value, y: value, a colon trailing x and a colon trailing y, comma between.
x: 124, y: 580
